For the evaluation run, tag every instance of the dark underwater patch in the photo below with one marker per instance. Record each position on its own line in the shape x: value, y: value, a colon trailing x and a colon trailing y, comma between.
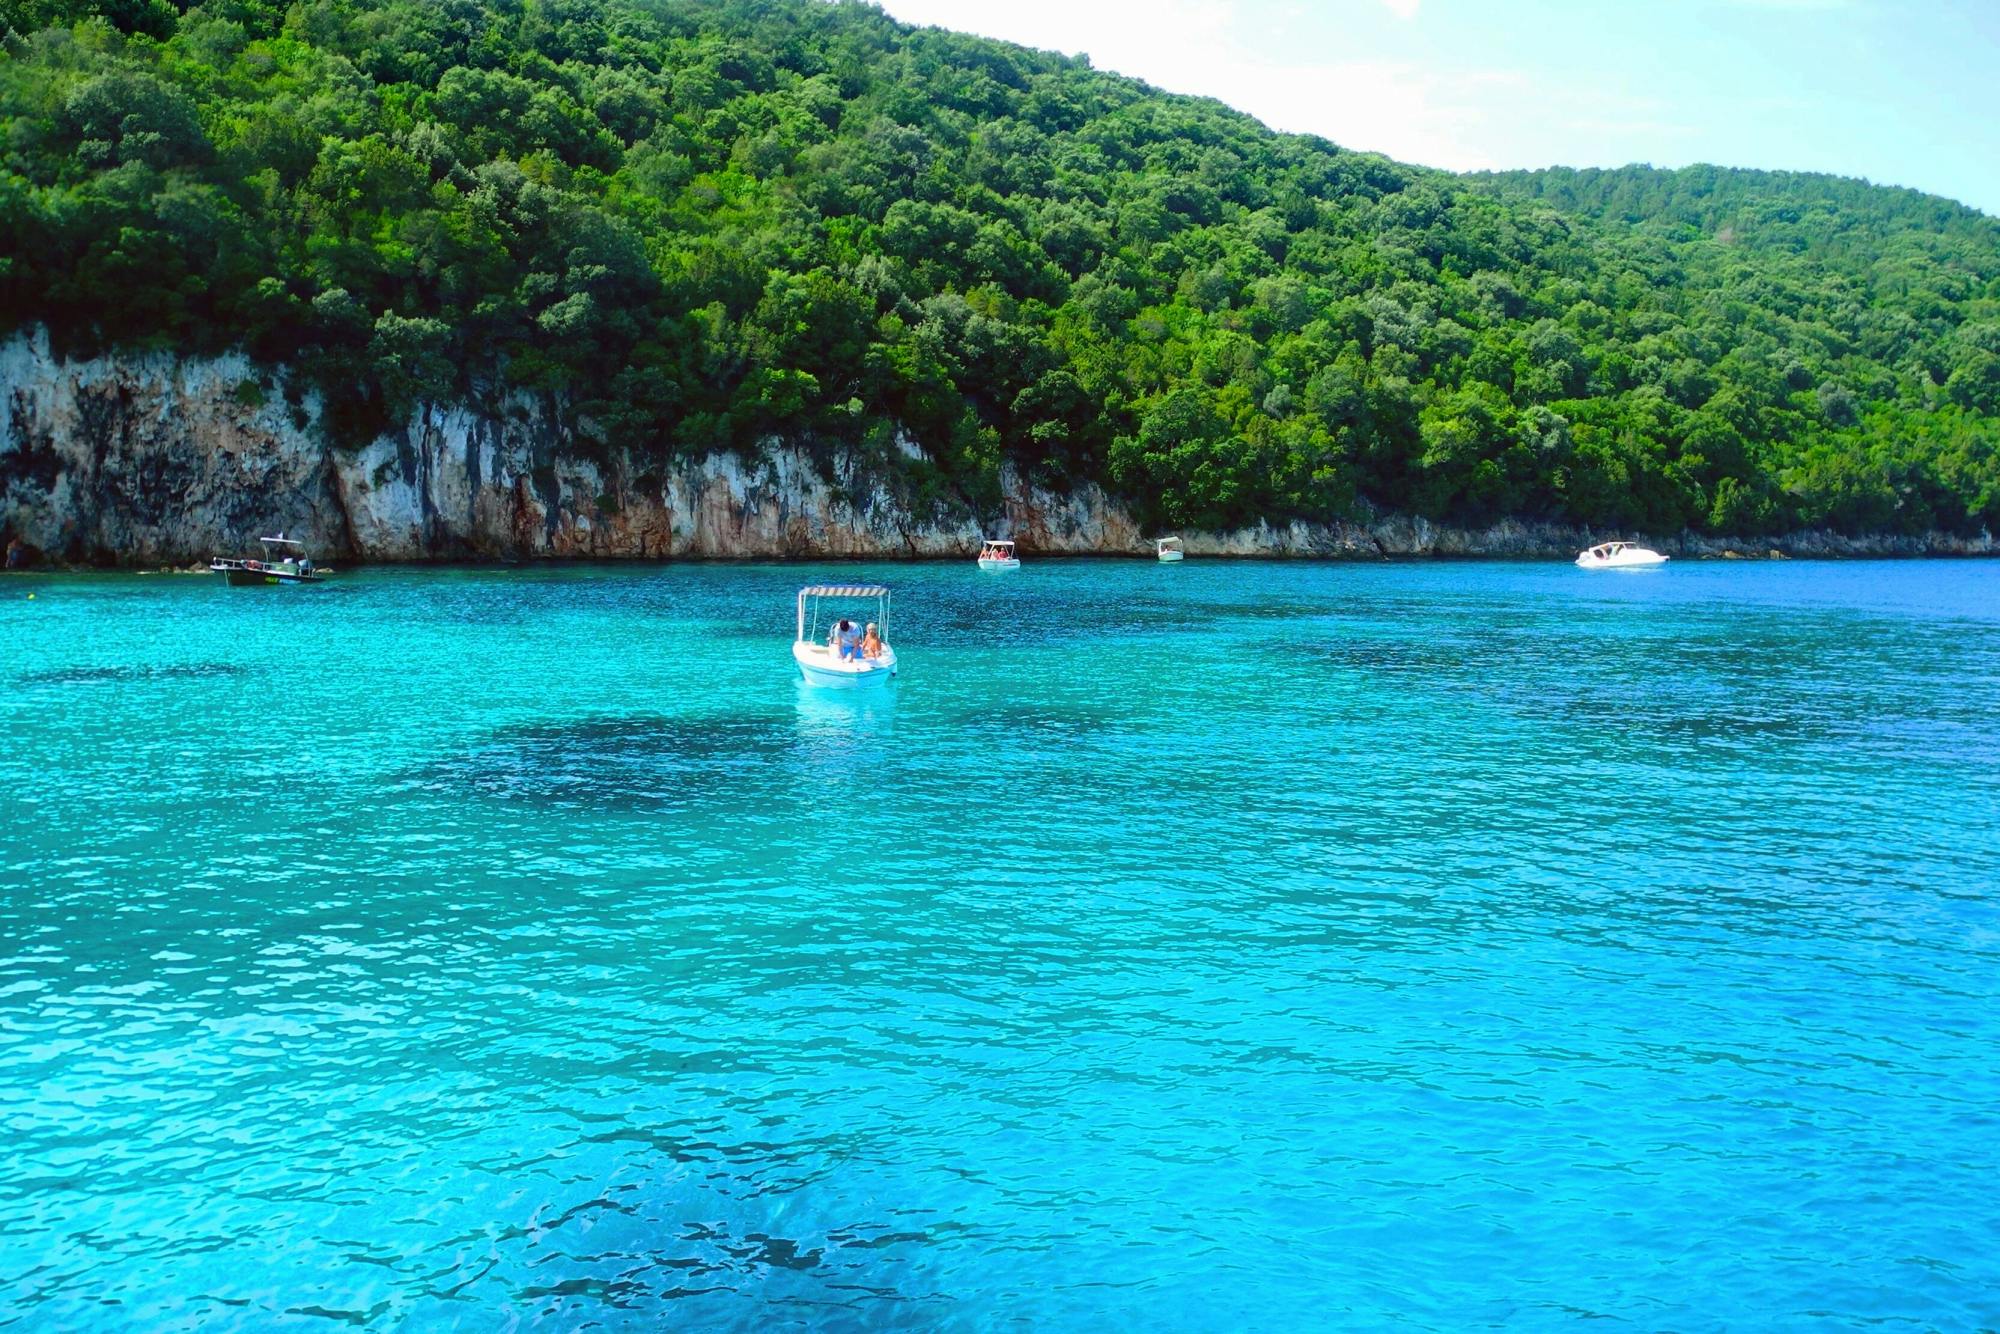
x: 1399, y: 657
x: 1024, y: 623
x: 71, y: 676
x: 1029, y: 718
x: 1279, y: 609
x: 1679, y: 722
x: 642, y: 763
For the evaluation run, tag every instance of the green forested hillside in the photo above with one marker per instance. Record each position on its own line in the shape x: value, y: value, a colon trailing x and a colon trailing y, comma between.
x: 703, y: 225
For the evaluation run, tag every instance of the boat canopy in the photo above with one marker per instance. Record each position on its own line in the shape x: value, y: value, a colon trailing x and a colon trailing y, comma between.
x: 1168, y: 541
x: 281, y: 541
x: 843, y: 591
x: 999, y: 542
x: 817, y: 591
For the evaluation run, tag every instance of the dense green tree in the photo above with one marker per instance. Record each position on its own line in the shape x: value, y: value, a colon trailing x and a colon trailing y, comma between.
x: 690, y: 225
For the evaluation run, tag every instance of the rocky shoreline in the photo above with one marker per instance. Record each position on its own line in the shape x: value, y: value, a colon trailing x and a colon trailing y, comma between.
x: 150, y: 460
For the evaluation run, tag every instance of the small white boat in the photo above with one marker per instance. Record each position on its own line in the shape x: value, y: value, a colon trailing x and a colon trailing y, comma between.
x: 285, y: 562
x: 1169, y: 548
x: 1619, y: 556
x: 998, y: 554
x: 821, y: 662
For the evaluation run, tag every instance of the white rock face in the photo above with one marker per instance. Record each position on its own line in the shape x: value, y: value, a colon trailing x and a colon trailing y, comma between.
x: 142, y: 459
x: 147, y: 458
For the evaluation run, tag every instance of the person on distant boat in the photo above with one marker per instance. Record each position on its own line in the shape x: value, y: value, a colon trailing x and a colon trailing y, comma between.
x: 871, y: 643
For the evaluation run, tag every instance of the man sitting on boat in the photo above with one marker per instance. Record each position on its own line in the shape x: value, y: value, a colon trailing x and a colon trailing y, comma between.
x: 847, y: 640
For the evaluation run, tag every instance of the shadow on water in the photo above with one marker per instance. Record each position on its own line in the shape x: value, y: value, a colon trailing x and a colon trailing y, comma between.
x: 1726, y: 681
x: 1022, y: 720
x: 1026, y: 622
x: 830, y: 715
x: 75, y: 676
x: 1392, y: 657
x: 636, y: 763
x: 686, y: 1244
x: 1609, y: 695
x: 664, y: 763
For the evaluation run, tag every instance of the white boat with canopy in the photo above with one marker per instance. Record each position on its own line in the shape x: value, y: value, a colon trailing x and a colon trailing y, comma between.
x: 284, y: 562
x: 1170, y: 548
x: 1619, y: 556
x: 998, y: 554
x: 821, y: 660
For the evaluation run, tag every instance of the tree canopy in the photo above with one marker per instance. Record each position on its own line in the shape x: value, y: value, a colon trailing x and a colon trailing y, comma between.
x: 698, y: 225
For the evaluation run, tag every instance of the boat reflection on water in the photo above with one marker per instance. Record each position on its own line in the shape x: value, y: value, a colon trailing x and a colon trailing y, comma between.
x: 845, y: 737
x: 866, y: 717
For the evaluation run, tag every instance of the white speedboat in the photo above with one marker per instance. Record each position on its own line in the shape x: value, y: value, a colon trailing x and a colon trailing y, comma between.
x: 998, y: 554
x: 1170, y: 548
x: 821, y: 661
x: 1619, y: 556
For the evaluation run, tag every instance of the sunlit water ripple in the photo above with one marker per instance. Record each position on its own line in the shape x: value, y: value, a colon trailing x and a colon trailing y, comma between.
x: 1223, y: 946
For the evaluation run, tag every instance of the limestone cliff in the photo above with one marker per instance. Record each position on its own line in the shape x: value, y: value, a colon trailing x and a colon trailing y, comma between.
x: 143, y: 459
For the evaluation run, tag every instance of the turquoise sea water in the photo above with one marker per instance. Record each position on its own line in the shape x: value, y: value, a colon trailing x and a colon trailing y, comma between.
x: 1219, y: 946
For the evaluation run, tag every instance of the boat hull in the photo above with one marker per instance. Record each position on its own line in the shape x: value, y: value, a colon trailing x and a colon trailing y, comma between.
x: 820, y: 667
x: 1169, y: 557
x: 237, y: 576
x: 1648, y: 561
x: 995, y: 566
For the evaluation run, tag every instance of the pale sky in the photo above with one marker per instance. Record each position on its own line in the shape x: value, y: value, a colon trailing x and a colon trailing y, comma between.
x: 1902, y: 93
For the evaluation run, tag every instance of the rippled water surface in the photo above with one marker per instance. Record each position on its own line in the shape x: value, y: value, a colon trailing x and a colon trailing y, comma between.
x: 1214, y: 946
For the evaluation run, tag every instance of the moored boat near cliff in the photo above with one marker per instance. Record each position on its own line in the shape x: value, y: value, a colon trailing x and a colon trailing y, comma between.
x: 997, y: 554
x: 284, y: 562
x: 1619, y: 556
